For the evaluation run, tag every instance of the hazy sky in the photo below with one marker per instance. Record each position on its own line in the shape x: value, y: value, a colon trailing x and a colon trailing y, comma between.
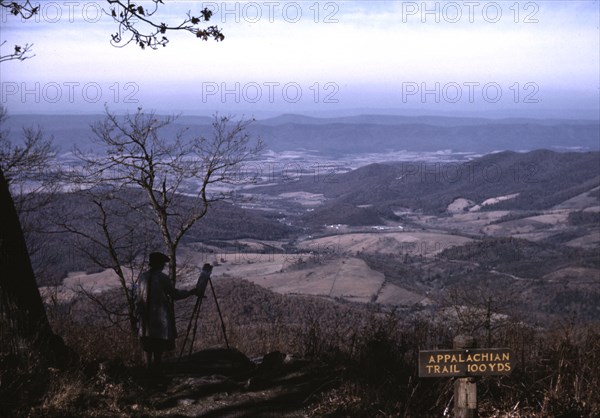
x: 318, y: 57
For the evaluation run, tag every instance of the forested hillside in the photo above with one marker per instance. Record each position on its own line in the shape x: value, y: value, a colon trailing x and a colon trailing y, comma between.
x: 540, y: 179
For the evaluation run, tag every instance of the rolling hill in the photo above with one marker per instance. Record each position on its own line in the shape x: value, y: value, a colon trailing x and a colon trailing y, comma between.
x: 534, y: 180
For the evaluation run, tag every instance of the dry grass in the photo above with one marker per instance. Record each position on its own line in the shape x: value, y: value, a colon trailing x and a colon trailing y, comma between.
x: 375, y: 354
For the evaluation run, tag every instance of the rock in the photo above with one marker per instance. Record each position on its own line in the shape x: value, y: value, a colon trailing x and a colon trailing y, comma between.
x: 214, y: 361
x: 292, y: 359
x: 272, y: 361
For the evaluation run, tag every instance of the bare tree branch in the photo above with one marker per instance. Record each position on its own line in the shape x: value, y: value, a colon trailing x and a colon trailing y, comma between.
x: 135, y: 23
x: 113, y: 313
x: 127, y: 15
x: 33, y: 178
x: 22, y: 8
x: 25, y: 10
x: 20, y: 53
x: 137, y: 156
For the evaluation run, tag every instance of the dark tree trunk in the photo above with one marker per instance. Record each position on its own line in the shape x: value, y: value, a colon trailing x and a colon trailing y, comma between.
x: 22, y: 313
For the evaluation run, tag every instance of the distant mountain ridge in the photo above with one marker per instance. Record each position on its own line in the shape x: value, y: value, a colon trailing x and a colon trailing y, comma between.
x: 357, y: 138
x: 362, y: 133
x: 403, y: 120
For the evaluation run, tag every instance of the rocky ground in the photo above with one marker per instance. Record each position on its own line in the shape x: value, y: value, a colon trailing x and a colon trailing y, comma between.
x: 225, y: 383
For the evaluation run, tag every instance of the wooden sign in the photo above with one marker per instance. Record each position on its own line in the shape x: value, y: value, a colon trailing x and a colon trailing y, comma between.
x: 465, y: 362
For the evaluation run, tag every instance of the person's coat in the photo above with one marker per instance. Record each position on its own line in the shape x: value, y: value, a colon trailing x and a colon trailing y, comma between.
x: 154, y: 300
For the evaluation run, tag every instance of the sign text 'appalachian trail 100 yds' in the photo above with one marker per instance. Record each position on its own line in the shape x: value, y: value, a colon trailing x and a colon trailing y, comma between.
x: 465, y: 362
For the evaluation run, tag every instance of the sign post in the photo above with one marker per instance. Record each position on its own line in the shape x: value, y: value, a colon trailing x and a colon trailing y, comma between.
x: 464, y: 363
x: 465, y: 388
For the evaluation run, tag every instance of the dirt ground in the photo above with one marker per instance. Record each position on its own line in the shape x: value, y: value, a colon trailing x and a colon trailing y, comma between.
x: 224, y: 383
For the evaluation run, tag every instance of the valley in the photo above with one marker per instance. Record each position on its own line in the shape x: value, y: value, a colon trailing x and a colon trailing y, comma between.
x: 367, y: 235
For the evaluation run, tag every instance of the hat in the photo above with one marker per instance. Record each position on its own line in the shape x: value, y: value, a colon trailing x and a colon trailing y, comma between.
x: 158, y: 258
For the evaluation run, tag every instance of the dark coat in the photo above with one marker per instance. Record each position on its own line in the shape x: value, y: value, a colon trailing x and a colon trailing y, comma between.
x: 155, y: 310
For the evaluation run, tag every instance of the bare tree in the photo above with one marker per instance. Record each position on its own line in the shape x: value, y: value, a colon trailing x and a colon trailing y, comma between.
x: 177, y: 176
x: 111, y: 232
x: 15, y: 158
x: 22, y: 174
x: 27, y: 164
x: 148, y: 190
x: 481, y: 309
x: 33, y: 177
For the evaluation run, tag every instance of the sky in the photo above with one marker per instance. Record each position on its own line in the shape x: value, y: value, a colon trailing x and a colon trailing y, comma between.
x: 487, y: 58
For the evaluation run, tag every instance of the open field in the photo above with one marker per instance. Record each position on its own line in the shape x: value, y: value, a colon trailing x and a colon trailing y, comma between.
x: 344, y: 277
x: 334, y: 276
x: 392, y: 243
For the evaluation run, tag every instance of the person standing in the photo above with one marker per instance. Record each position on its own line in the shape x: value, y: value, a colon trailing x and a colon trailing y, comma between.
x: 154, y: 301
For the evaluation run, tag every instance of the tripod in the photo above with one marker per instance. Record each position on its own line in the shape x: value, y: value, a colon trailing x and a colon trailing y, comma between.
x: 194, y: 319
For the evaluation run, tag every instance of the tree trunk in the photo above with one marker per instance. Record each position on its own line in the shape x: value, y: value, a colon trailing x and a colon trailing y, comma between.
x: 22, y: 313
